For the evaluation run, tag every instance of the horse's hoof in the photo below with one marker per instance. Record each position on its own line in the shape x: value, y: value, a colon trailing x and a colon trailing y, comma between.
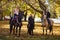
x: 9, y: 33
x: 52, y: 33
x: 42, y: 34
x: 18, y: 36
x: 46, y: 33
x: 13, y: 33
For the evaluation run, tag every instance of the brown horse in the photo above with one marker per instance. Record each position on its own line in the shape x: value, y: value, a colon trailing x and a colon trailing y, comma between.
x: 47, y: 25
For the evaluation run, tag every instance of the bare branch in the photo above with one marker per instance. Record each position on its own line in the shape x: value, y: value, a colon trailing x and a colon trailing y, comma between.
x: 42, y: 6
x: 32, y: 7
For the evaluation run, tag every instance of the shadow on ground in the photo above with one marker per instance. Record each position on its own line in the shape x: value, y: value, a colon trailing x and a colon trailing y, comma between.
x: 4, y: 33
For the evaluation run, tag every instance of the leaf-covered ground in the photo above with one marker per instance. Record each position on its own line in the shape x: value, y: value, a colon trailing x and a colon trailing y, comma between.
x: 4, y: 33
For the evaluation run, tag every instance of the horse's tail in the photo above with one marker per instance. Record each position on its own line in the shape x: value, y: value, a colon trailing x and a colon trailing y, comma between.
x: 51, y: 25
x: 52, y: 22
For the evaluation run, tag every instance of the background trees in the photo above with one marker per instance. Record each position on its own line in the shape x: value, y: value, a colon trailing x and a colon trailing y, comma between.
x: 33, y: 6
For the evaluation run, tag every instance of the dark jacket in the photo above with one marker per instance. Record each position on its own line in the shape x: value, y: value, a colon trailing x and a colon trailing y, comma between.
x: 48, y: 15
x: 31, y: 22
x: 20, y: 16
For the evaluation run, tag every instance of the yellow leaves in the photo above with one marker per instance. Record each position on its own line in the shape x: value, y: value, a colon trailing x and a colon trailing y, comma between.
x: 58, y: 10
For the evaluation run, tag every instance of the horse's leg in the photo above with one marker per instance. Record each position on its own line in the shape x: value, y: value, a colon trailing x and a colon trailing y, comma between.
x: 14, y: 30
x: 46, y: 31
x: 32, y: 32
x: 19, y: 30
x: 52, y: 26
x: 46, y: 28
x: 52, y: 29
x: 43, y: 30
x: 11, y: 26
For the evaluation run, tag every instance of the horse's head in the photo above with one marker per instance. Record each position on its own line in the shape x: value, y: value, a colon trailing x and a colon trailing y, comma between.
x: 44, y: 17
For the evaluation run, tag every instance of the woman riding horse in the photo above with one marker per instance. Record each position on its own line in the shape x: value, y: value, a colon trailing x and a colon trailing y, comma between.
x: 20, y: 16
x: 13, y: 23
x: 47, y: 22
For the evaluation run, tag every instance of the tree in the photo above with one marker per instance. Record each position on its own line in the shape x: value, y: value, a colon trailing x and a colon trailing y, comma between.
x: 36, y: 5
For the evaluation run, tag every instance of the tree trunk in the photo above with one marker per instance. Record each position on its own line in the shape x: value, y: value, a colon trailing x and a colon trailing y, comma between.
x: 1, y: 15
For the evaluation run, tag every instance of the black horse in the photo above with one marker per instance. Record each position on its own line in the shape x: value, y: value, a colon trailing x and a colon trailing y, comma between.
x: 20, y: 16
x: 13, y: 24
